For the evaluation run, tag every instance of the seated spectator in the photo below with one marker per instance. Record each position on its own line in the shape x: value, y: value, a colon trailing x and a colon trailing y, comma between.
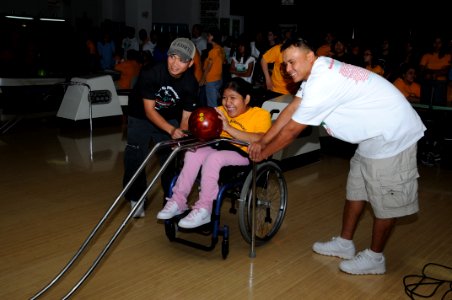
x: 242, y: 62
x: 340, y: 51
x: 409, y: 54
x: 356, y: 56
x: 407, y: 85
x: 370, y: 62
x: 387, y: 59
x: 326, y: 49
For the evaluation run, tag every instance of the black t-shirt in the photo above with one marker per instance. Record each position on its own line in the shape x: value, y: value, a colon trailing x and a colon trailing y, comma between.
x: 171, y: 95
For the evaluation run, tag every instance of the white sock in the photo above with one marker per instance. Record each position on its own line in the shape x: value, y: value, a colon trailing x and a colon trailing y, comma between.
x: 343, y: 242
x: 375, y: 254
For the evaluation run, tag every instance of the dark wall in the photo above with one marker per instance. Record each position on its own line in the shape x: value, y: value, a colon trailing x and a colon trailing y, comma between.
x: 370, y: 21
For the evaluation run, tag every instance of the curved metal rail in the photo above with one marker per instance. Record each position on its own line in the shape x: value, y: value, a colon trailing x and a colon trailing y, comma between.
x: 178, y: 145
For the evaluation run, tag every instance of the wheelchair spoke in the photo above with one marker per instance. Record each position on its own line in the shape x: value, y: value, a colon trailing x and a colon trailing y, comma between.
x: 271, y: 199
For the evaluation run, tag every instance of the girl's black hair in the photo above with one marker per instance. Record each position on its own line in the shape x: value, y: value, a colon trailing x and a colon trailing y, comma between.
x: 247, y: 46
x: 239, y: 85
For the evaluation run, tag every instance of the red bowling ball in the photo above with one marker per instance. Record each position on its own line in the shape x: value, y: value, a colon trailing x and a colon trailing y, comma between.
x: 204, y: 123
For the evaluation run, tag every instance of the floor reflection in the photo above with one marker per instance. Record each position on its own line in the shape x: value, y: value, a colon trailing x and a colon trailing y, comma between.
x: 97, y: 154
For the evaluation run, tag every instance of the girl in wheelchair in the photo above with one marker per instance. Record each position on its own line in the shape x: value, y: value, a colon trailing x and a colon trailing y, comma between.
x: 241, y: 122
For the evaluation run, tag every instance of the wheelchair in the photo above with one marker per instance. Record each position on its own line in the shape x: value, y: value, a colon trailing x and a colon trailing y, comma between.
x: 236, y: 183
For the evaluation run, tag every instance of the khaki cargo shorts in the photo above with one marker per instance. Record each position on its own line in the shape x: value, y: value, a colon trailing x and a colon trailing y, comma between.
x: 389, y: 184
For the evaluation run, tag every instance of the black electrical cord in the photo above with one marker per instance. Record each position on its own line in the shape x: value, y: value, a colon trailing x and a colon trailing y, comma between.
x: 427, y: 280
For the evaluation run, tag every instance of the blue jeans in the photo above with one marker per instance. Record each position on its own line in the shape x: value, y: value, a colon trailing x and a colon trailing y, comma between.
x: 140, y: 134
x: 212, y: 92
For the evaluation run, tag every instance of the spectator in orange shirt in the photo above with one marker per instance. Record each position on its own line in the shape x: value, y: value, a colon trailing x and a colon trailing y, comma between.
x: 407, y: 85
x: 326, y: 49
x: 434, y: 69
x: 277, y: 81
x: 129, y: 69
x: 370, y: 62
x: 212, y: 77
x: 197, y: 66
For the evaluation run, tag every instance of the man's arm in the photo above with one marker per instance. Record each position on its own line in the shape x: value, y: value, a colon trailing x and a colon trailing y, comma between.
x: 286, y: 135
x: 159, y: 121
x: 284, y: 117
x: 184, y: 120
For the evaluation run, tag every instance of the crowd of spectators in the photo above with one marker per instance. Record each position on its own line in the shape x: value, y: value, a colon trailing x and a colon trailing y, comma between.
x: 90, y: 50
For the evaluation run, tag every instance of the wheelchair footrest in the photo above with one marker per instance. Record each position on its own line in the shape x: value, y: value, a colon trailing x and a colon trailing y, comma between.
x: 171, y: 230
x: 197, y: 245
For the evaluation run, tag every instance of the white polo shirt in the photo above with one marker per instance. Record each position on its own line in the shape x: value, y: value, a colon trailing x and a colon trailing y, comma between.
x: 359, y: 107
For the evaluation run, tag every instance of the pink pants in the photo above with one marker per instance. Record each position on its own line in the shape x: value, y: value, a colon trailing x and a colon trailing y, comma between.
x: 211, y: 161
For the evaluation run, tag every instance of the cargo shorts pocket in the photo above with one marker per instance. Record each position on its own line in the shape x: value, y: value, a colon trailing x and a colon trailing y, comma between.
x: 398, y: 189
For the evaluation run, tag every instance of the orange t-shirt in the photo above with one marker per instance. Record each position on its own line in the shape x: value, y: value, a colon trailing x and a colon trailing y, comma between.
x: 129, y: 72
x: 377, y: 69
x: 413, y: 90
x: 324, y: 50
x: 197, y: 67
x: 216, y: 57
x: 255, y: 119
x: 274, y: 55
x: 91, y: 47
x: 433, y: 62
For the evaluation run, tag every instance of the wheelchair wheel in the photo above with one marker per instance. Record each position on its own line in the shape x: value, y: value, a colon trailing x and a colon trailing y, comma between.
x: 271, y: 203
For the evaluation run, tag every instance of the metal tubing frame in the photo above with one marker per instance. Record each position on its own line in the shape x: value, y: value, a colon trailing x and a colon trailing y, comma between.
x: 180, y: 144
x: 253, y: 215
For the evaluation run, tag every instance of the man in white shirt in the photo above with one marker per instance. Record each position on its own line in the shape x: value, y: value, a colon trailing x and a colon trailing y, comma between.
x: 359, y: 107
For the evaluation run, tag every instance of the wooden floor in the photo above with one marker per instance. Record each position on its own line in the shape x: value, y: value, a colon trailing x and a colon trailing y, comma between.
x: 53, y: 194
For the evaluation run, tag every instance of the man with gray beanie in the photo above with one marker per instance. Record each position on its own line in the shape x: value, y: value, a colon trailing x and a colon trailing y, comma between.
x: 159, y: 107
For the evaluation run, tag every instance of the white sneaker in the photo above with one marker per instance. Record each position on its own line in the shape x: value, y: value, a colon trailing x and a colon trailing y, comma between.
x: 139, y: 213
x: 364, y: 263
x: 335, y: 247
x: 196, y: 218
x: 170, y: 210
